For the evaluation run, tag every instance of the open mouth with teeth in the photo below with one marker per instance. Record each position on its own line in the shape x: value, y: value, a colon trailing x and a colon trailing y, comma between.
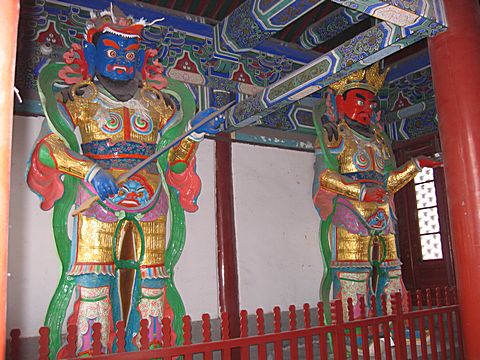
x: 129, y: 203
x: 120, y: 68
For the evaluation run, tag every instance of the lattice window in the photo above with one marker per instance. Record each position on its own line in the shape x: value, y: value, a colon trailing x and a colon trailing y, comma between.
x: 427, y: 212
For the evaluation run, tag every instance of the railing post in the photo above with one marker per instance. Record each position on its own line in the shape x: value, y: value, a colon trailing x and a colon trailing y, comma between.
x: 399, y: 327
x: 308, y: 338
x: 144, y: 340
x: 44, y: 342
x: 339, y: 351
x: 15, y: 344
x: 262, y: 348
x: 277, y: 328
x: 121, y: 336
x: 71, y: 347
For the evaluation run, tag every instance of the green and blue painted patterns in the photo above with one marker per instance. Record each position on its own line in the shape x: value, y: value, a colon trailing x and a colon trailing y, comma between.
x: 416, y: 15
x: 255, y: 21
x: 349, y: 56
x: 329, y: 27
x: 299, y: 79
x: 275, y: 15
x: 361, y: 51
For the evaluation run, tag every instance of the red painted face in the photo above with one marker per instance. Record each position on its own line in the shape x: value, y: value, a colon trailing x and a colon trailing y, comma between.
x: 358, y: 105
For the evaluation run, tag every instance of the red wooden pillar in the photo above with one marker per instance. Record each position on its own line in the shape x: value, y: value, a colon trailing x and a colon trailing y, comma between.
x: 9, y: 21
x: 226, y: 242
x: 455, y: 59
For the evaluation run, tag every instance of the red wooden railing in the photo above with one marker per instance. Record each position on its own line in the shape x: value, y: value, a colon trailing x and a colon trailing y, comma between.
x: 423, y: 332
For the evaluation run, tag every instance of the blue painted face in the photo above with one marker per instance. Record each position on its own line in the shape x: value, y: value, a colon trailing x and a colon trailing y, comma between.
x: 116, y: 56
x: 131, y: 194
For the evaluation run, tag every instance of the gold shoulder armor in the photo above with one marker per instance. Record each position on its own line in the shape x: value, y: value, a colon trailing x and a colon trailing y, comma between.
x: 82, y: 106
x: 156, y: 100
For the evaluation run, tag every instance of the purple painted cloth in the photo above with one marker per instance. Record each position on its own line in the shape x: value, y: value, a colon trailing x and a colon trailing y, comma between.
x: 160, y: 207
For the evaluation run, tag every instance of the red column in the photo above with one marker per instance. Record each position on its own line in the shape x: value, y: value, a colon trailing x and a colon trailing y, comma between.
x: 226, y: 241
x: 9, y: 21
x: 455, y: 59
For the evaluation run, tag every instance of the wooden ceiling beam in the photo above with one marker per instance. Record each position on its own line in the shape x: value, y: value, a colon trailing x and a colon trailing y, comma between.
x: 362, y: 50
x: 330, y: 26
x: 255, y: 21
x: 421, y: 15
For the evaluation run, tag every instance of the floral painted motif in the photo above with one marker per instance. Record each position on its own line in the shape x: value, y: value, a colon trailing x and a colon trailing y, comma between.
x: 94, y: 307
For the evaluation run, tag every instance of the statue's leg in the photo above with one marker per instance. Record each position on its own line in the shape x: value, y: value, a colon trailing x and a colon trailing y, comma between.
x: 352, y: 283
x: 351, y: 268
x: 95, y: 282
x: 390, y: 276
x: 93, y: 305
x: 151, y: 303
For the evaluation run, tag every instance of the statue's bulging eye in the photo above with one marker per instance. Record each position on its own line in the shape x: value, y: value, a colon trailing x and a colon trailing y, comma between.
x: 360, y: 102
x: 111, y: 53
x: 130, y: 55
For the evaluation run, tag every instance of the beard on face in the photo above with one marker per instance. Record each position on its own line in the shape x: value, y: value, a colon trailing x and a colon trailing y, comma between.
x: 122, y: 90
x: 362, y: 129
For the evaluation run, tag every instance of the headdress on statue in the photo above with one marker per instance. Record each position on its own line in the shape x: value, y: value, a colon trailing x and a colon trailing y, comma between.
x: 370, y: 79
x: 114, y: 21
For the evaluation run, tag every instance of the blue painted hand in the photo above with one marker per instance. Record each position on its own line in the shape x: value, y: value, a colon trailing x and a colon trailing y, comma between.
x: 104, y: 184
x: 213, y: 126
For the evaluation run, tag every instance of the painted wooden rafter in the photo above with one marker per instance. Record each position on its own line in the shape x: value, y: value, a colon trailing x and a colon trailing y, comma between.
x: 330, y: 26
x: 364, y: 49
x: 415, y: 15
x: 255, y: 21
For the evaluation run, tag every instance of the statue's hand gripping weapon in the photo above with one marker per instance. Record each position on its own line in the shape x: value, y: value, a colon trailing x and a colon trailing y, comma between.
x: 89, y: 202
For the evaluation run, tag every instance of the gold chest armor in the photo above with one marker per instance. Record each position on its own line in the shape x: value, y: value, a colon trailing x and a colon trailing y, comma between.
x: 101, y: 118
x: 361, y: 154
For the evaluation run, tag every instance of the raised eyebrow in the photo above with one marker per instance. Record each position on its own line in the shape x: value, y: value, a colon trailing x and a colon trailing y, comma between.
x: 361, y: 97
x: 133, y: 47
x: 111, y: 43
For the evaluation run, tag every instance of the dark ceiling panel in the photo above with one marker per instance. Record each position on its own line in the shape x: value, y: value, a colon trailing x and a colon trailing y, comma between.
x: 216, y: 10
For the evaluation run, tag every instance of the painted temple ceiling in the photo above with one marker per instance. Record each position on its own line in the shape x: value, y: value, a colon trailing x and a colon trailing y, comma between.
x: 273, y: 57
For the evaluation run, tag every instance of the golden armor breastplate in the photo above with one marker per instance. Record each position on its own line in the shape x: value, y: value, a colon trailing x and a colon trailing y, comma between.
x: 100, y: 117
x: 361, y: 154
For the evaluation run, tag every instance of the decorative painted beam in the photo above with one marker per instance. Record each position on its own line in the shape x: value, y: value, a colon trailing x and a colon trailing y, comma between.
x: 255, y: 21
x: 275, y: 138
x: 408, y: 112
x: 421, y: 123
x: 408, y: 65
x: 414, y: 15
x: 185, y: 44
x: 362, y: 50
x: 330, y: 26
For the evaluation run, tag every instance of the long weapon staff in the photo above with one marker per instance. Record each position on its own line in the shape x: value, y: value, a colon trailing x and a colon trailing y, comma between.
x: 89, y: 202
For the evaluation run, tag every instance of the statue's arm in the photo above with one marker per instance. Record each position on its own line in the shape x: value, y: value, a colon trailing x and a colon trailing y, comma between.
x: 401, y: 176
x: 334, y: 182
x: 181, y: 155
x: 54, y: 154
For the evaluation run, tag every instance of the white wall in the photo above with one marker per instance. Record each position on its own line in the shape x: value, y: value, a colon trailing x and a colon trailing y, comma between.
x: 277, y: 228
x: 33, y: 264
x: 278, y: 256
